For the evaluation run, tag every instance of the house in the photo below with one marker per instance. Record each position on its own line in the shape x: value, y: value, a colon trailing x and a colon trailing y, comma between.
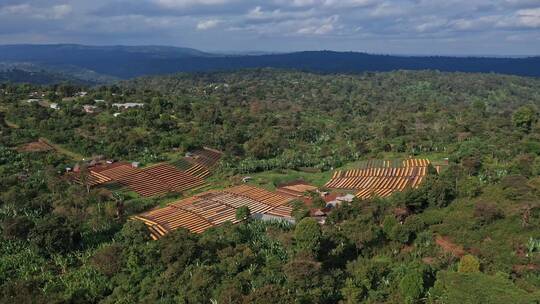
x: 89, y: 108
x: 81, y: 94
x: 128, y: 105
x: 54, y: 106
x: 32, y: 100
x: 338, y: 200
x: 116, y: 114
x: 99, y: 100
x: 246, y: 179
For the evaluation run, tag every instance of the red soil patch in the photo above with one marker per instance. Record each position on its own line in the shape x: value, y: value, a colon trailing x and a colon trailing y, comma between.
x: 524, y: 268
x: 37, y: 146
x: 448, y: 246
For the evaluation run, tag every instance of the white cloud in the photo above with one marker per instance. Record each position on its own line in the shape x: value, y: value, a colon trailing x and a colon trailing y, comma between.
x: 325, y: 3
x: 386, y: 10
x: 529, y: 17
x: 259, y: 14
x: 188, y: 3
x: 27, y: 11
x: 319, y: 27
x: 207, y: 24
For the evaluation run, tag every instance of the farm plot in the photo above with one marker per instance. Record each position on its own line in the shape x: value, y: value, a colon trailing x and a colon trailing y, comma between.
x: 295, y: 189
x: 160, y: 179
x: 207, y: 157
x: 258, y: 194
x: 200, y: 163
x: 155, y: 180
x: 381, y: 181
x: 206, y: 210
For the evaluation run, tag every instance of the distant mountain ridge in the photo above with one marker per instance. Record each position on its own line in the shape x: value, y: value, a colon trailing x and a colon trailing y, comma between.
x: 123, y: 62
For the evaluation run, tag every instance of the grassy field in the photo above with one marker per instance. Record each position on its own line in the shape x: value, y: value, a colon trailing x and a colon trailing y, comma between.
x: 62, y: 150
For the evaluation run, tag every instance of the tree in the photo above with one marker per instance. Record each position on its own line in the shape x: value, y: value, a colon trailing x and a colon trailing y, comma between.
x: 17, y: 228
x: 468, y: 263
x: 411, y: 286
x: 108, y: 260
x: 300, y: 210
x: 243, y: 213
x: 487, y: 212
x: 524, y: 118
x: 307, y: 234
x: 54, y: 234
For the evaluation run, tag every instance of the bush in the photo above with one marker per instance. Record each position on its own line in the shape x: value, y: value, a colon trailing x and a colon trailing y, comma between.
x: 460, y: 288
x: 389, y: 223
x: 108, y: 260
x: 468, y: 263
x: 307, y: 234
x: 411, y: 286
x: 469, y: 187
x: 487, y: 213
x: 54, y: 234
x: 17, y: 228
x: 400, y: 234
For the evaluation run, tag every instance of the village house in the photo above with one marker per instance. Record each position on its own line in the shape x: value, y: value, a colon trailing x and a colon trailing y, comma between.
x: 128, y: 105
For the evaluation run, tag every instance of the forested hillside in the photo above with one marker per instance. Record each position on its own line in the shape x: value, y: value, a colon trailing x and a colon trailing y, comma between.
x: 470, y: 234
x: 104, y: 63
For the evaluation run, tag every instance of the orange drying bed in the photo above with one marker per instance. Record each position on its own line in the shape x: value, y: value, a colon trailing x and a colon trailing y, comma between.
x: 155, y: 180
x: 262, y: 195
x: 212, y: 208
x: 381, y: 181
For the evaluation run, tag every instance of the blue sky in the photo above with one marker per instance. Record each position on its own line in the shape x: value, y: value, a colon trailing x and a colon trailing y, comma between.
x: 450, y: 27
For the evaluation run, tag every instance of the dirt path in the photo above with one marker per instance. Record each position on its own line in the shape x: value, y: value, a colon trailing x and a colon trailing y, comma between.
x: 448, y: 246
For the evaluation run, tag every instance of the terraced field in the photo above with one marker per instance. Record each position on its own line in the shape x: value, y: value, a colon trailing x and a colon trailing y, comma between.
x: 381, y: 177
x: 213, y: 208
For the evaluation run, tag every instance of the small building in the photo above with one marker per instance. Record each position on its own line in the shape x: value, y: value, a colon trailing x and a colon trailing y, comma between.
x: 339, y: 199
x: 54, y: 106
x: 89, y: 108
x: 32, y: 100
x: 116, y: 114
x: 128, y: 105
x: 246, y: 179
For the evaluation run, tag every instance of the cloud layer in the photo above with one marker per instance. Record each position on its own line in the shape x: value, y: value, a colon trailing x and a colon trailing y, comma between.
x: 381, y: 26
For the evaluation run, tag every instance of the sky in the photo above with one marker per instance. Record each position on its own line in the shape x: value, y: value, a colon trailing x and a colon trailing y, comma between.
x: 413, y: 27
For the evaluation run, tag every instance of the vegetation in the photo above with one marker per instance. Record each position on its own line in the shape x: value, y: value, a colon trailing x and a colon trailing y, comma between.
x: 61, y: 242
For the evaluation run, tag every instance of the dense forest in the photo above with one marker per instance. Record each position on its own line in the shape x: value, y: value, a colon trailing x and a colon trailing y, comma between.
x: 104, y: 63
x: 471, y: 233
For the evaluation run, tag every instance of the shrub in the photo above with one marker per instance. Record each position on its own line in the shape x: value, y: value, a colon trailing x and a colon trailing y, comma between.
x: 411, y: 286
x: 108, y: 260
x: 307, y: 234
x: 389, y: 223
x: 468, y: 263
x: 242, y: 213
x: 17, y: 228
x: 487, y: 213
x: 400, y: 234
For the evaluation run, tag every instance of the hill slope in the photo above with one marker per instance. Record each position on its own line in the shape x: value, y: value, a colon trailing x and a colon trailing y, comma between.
x: 133, y: 61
